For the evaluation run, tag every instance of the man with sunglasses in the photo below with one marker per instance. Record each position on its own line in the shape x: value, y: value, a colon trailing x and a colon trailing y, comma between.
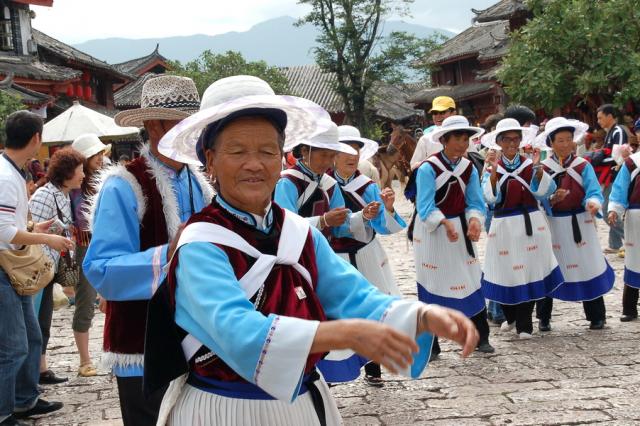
x: 441, y: 108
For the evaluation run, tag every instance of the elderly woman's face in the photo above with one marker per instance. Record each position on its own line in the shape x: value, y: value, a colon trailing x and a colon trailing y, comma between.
x: 347, y: 164
x: 319, y: 160
x: 246, y: 162
x: 562, y: 144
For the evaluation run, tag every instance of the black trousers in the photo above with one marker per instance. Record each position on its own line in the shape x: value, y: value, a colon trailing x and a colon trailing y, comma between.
x: 630, y: 301
x: 594, y: 310
x: 521, y: 315
x: 136, y: 409
x: 482, y: 325
x: 372, y: 369
x: 45, y: 315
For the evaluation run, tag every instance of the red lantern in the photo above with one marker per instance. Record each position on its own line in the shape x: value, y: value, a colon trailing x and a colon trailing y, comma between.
x: 79, y: 91
x: 87, y: 93
x: 86, y: 76
x: 70, y: 91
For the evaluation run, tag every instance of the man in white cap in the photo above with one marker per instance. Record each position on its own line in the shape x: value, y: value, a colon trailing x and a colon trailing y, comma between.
x: 136, y: 213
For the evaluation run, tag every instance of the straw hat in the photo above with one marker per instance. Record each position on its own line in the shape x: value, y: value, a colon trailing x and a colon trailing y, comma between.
x: 509, y: 125
x: 232, y: 97
x: 453, y: 124
x: 166, y: 97
x: 89, y: 145
x: 578, y: 128
x: 350, y: 134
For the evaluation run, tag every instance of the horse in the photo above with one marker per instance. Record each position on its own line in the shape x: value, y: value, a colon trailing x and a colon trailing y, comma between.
x: 395, y: 158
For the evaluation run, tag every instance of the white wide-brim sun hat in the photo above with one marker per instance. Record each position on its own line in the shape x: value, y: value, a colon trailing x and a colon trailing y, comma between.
x: 580, y: 129
x: 456, y: 123
x: 89, y: 145
x: 349, y: 134
x: 305, y: 119
x: 325, y: 140
x: 509, y: 125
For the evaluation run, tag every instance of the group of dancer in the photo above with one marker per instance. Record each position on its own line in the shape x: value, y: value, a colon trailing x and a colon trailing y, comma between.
x: 235, y: 295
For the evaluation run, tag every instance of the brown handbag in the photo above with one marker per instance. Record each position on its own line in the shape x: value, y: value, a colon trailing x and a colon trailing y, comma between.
x: 29, y: 269
x: 68, y: 273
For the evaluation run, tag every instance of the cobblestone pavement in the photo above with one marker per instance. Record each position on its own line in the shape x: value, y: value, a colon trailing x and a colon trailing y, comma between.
x: 568, y: 376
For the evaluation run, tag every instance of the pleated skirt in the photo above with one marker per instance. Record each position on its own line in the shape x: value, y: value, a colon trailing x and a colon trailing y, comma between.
x: 447, y: 274
x: 517, y: 267
x: 632, y: 248
x: 373, y: 262
x: 199, y: 408
x: 587, y: 274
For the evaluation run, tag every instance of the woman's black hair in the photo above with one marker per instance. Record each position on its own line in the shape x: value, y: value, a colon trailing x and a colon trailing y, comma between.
x: 447, y: 136
x: 551, y: 136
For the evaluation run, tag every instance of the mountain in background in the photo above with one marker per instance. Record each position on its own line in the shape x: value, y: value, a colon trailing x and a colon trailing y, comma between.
x: 277, y: 41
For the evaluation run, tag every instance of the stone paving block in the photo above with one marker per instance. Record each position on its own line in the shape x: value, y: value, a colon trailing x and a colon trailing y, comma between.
x: 569, y: 417
x: 528, y: 395
x: 567, y: 376
x: 496, y: 389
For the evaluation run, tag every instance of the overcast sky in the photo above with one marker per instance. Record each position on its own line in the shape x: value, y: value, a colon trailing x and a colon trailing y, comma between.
x: 74, y: 21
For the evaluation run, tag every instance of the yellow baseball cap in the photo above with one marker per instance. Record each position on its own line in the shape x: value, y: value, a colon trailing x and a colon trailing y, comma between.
x: 442, y: 103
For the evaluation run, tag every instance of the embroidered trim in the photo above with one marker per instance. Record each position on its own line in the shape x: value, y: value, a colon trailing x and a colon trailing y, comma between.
x: 265, y: 348
x: 112, y: 359
x: 101, y: 178
x: 157, y: 269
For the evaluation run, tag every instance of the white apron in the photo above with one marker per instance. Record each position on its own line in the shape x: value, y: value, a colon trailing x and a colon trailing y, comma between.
x: 587, y: 274
x: 447, y: 275
x: 632, y: 247
x: 517, y: 267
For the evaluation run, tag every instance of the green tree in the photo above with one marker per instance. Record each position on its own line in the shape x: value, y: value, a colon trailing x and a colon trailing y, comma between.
x: 351, y: 46
x: 8, y: 104
x: 584, y: 48
x: 209, y: 67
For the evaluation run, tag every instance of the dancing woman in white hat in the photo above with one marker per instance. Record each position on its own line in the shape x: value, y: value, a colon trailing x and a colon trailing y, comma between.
x: 358, y: 192
x: 519, y: 265
x: 573, y: 208
x: 306, y: 189
x: 255, y: 296
x: 624, y: 202
x: 448, y: 220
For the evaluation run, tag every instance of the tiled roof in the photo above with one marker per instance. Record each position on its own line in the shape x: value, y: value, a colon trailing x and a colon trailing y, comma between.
x: 27, y: 96
x: 458, y: 93
x: 504, y: 9
x: 29, y: 67
x: 134, y: 66
x: 129, y: 96
x: 473, y: 40
x: 69, y: 53
x: 310, y: 82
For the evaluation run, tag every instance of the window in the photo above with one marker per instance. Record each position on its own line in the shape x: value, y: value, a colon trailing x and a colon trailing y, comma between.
x: 6, y: 32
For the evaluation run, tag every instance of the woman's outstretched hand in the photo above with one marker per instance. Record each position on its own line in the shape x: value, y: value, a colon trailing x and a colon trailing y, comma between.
x: 449, y: 324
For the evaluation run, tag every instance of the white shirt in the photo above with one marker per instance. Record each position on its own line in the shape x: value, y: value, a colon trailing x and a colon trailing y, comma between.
x: 426, y: 148
x: 14, y: 203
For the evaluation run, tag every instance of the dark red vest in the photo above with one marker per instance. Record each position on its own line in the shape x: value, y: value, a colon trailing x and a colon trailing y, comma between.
x: 634, y: 185
x: 345, y: 244
x: 317, y: 204
x: 573, y: 201
x: 279, y: 296
x: 125, y: 322
x: 450, y: 197
x: 514, y: 193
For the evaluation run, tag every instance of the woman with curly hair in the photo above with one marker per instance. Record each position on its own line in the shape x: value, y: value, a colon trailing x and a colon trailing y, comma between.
x: 49, y: 202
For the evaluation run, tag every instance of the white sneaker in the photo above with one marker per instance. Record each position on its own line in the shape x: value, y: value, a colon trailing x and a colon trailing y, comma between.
x: 506, y: 326
x: 525, y: 335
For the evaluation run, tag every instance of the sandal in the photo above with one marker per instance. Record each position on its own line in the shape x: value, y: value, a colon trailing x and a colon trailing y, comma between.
x: 87, y: 370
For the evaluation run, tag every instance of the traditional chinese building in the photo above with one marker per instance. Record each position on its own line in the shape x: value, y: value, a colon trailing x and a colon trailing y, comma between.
x: 388, y: 103
x: 466, y: 65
